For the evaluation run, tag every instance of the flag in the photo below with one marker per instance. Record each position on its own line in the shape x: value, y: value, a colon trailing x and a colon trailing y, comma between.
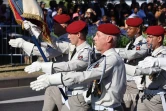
x: 31, y: 11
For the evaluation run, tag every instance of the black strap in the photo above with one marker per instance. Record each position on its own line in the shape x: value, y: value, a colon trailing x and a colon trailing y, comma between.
x: 131, y: 46
x: 74, y: 51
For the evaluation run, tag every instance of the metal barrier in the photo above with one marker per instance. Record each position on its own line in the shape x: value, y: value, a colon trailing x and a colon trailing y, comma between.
x: 8, y: 32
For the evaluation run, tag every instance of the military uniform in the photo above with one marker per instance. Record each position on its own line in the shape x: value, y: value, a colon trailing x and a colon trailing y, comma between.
x: 135, y: 51
x: 150, y: 98
x: 106, y: 78
x: 138, y: 52
x: 112, y: 92
x: 79, y: 58
x: 49, y: 50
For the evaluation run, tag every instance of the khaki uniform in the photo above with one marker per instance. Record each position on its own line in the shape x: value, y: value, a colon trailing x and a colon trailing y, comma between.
x: 110, y: 70
x: 150, y: 98
x: 79, y: 62
x: 133, y: 56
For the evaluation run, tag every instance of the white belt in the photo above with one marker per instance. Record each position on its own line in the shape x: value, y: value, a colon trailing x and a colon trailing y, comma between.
x: 159, y: 92
x: 100, y: 107
x: 74, y: 92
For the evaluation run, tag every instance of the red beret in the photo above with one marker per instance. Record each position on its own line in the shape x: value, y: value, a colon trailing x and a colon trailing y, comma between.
x: 134, y: 22
x: 62, y: 18
x: 75, y: 27
x: 109, y: 29
x: 155, y: 30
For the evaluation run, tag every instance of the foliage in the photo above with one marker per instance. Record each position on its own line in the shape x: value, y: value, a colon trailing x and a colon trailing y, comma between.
x: 89, y: 40
x: 123, y: 41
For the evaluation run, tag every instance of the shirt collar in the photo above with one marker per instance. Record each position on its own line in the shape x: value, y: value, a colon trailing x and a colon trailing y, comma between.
x: 83, y: 45
x: 158, y: 50
x: 109, y: 52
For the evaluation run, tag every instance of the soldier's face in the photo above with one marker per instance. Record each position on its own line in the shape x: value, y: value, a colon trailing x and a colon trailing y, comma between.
x: 131, y: 31
x: 153, y: 41
x: 73, y: 38
x: 99, y: 40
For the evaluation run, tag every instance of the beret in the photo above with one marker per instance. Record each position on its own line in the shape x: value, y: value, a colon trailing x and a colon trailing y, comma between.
x: 76, y: 26
x: 109, y: 29
x: 155, y: 30
x: 62, y: 18
x: 134, y: 22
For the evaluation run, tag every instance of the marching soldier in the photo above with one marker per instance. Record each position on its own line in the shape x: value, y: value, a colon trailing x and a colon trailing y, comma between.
x: 79, y: 52
x: 60, y: 24
x: 135, y: 51
x: 107, y: 75
x: 152, y: 98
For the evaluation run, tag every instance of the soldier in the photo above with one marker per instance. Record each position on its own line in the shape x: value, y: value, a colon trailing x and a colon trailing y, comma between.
x: 152, y: 98
x: 135, y: 51
x: 107, y: 73
x: 79, y: 51
x: 61, y: 22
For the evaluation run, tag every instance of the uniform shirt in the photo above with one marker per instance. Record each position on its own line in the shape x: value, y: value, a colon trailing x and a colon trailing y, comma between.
x: 79, y: 61
x: 160, y: 81
x: 138, y: 52
x: 113, y: 80
x: 50, y: 51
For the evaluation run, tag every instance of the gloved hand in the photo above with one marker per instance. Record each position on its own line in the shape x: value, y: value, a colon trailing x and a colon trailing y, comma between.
x: 34, y: 29
x: 17, y: 42
x: 46, y: 67
x: 21, y: 43
x: 149, y: 71
x: 41, y: 83
x: 35, y: 66
x: 46, y: 80
x: 149, y: 62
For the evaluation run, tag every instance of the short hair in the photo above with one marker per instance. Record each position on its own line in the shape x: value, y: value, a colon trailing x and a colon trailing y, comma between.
x: 115, y: 39
x: 84, y: 31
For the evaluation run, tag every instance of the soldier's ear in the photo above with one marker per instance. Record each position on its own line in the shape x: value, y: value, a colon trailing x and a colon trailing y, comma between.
x: 138, y: 30
x: 109, y: 39
x: 160, y: 39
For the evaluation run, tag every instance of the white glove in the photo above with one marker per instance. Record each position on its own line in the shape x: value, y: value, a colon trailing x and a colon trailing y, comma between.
x: 41, y: 83
x: 21, y: 43
x: 35, y: 30
x: 149, y: 62
x: 35, y: 66
x: 17, y: 42
x: 46, y: 67
x: 46, y: 80
x: 149, y: 71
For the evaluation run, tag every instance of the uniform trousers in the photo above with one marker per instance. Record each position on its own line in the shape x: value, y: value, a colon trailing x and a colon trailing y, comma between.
x: 149, y: 103
x: 130, y: 96
x: 53, y: 98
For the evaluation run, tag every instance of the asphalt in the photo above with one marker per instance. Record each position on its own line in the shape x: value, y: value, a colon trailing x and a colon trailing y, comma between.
x: 16, y: 95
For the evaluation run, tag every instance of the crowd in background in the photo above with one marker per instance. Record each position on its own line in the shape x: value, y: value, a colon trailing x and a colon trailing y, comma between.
x: 98, y: 13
